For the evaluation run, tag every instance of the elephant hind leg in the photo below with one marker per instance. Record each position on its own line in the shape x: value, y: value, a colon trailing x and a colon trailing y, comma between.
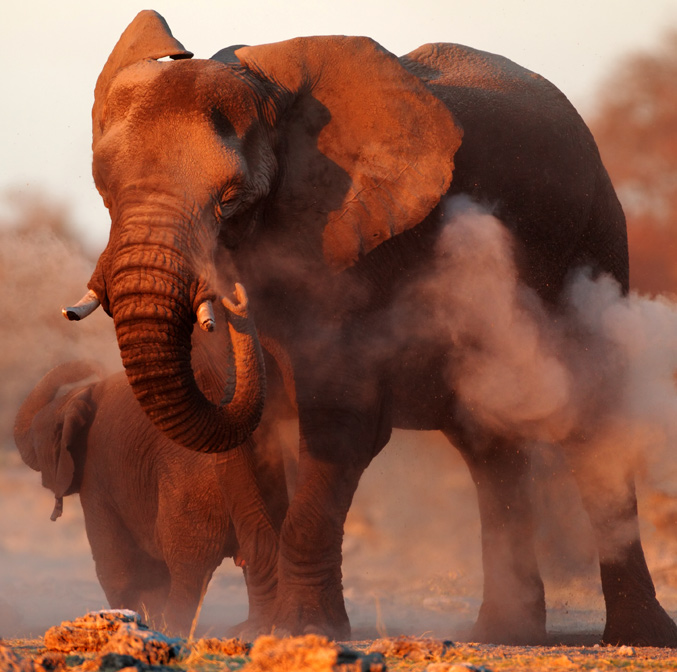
x: 188, y: 587
x: 633, y: 614
x: 513, y: 606
x: 151, y: 587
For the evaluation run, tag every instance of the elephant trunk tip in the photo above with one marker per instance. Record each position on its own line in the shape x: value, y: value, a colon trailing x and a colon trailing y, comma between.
x: 205, y: 312
x: 240, y: 305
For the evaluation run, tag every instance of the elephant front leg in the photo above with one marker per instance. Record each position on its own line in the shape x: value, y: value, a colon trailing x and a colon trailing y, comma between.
x: 257, y: 534
x: 335, y: 449
x: 633, y: 614
x: 513, y: 606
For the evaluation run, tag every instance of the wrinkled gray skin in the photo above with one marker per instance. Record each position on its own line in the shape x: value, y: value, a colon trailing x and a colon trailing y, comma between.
x: 317, y: 171
x: 159, y: 518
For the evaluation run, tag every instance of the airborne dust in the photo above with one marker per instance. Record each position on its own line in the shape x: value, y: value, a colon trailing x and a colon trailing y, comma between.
x: 412, y: 550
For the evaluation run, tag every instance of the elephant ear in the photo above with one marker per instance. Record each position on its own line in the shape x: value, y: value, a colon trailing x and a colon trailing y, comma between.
x: 371, y: 150
x: 59, y: 436
x: 147, y: 37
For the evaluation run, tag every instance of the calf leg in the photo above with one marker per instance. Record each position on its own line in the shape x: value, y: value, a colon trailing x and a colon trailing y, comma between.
x: 130, y: 578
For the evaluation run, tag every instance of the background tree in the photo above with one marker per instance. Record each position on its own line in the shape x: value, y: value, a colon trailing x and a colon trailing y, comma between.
x: 635, y: 125
x: 42, y: 268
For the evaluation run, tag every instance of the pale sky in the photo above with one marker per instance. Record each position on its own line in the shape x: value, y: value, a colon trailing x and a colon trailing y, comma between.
x: 52, y: 53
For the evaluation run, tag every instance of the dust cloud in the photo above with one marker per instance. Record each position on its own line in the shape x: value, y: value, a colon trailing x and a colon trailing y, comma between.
x: 599, y: 369
x: 41, y: 272
x: 412, y: 561
x: 46, y: 568
x: 596, y: 376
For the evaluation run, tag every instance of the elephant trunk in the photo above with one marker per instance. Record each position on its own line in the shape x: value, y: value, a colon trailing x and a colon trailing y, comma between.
x: 153, y: 315
x: 41, y: 395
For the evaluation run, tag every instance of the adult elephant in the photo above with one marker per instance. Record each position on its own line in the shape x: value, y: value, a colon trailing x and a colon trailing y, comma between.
x: 315, y: 170
x: 159, y: 518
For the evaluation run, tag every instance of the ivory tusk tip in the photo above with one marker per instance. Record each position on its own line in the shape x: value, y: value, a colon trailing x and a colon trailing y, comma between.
x: 84, y: 307
x: 205, y: 316
x: 70, y: 314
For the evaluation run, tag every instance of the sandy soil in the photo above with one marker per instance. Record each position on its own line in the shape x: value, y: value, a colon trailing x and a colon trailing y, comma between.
x: 459, y: 657
x: 412, y: 554
x: 412, y: 564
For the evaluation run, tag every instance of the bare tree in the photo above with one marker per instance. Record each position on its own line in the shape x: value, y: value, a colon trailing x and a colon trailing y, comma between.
x: 42, y: 268
x: 636, y: 128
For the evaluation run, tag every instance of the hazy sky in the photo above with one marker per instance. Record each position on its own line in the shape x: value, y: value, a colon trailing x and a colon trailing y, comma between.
x: 52, y: 53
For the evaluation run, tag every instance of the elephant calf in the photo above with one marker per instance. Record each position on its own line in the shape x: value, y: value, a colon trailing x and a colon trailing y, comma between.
x: 159, y: 518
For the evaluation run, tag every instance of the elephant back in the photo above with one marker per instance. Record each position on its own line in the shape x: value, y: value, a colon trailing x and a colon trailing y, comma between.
x: 549, y: 186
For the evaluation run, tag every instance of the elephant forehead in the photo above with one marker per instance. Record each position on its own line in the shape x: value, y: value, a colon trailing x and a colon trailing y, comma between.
x: 209, y: 90
x: 180, y: 148
x: 148, y: 133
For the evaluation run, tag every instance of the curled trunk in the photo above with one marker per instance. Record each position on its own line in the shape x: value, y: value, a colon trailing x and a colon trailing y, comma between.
x: 152, y: 310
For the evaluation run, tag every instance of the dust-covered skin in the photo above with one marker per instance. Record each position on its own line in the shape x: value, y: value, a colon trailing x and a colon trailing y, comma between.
x: 322, y: 172
x: 159, y: 519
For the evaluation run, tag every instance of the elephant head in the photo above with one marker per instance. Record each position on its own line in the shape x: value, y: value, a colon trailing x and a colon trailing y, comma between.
x: 234, y: 153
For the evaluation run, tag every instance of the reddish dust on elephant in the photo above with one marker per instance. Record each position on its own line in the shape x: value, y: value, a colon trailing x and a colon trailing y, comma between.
x: 368, y: 203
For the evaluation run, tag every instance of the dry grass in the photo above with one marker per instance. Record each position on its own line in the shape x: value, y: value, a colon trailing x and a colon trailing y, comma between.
x: 316, y: 654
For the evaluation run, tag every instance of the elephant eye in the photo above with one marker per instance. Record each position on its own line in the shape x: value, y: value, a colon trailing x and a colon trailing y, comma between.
x: 227, y: 201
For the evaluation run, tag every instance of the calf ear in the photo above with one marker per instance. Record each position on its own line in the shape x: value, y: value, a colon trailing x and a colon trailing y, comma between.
x: 60, y: 436
x: 147, y: 36
x: 370, y: 148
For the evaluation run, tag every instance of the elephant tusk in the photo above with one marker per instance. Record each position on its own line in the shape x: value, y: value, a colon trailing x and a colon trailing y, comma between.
x: 205, y: 316
x: 85, y: 306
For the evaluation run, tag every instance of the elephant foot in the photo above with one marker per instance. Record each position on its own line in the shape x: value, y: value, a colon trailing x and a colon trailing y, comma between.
x: 504, y: 625
x: 249, y: 630
x: 303, y: 620
x: 307, y: 617
x: 643, y: 624
x: 303, y: 624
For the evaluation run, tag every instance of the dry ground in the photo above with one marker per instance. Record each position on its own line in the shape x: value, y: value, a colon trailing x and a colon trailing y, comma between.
x: 412, y: 566
x: 458, y: 658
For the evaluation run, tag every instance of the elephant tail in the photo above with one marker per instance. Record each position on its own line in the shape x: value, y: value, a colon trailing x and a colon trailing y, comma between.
x: 44, y: 393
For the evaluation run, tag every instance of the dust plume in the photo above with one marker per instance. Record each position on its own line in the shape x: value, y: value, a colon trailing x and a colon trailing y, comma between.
x: 47, y: 570
x: 600, y: 367
x: 505, y: 367
x: 595, y: 374
x: 43, y: 269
